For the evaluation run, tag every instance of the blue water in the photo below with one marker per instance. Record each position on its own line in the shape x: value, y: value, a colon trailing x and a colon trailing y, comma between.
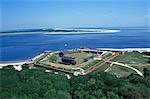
x: 26, y: 46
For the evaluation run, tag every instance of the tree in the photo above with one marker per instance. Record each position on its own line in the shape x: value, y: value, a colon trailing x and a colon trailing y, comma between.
x: 112, y: 95
x: 146, y: 72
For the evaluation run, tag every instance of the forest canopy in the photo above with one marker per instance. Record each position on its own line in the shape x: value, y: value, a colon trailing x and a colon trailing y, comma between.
x: 35, y: 83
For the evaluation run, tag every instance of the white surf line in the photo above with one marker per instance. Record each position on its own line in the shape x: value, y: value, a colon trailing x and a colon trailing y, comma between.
x: 22, y: 62
x: 14, y: 63
x: 125, y: 65
x: 127, y: 49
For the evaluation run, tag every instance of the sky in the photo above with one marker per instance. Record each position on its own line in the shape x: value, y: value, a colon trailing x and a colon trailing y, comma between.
x: 27, y: 14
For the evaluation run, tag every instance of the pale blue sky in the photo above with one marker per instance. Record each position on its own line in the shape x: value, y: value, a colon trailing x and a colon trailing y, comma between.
x: 20, y: 14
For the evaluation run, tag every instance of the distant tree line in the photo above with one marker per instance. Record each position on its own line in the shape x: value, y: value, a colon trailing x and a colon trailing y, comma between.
x: 36, y: 84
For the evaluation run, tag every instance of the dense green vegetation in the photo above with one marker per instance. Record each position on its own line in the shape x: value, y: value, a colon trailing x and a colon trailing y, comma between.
x: 105, y: 86
x: 33, y: 83
x: 36, y: 84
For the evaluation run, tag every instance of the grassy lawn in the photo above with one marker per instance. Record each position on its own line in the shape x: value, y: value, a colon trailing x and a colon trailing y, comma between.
x: 53, y: 59
x: 120, y: 71
x: 102, y: 68
x: 79, y: 57
x: 107, y: 55
x: 39, y: 59
x: 140, y: 67
x: 91, y: 64
x: 131, y: 57
x: 134, y: 59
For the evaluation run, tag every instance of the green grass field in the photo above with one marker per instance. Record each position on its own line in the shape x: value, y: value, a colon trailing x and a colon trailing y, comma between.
x: 131, y: 57
x: 102, y: 68
x: 134, y: 59
x: 120, y: 71
x: 107, y: 54
x: 94, y: 62
x: 53, y: 59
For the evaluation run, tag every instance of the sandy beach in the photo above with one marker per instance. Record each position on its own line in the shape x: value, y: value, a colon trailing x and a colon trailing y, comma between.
x: 81, y: 31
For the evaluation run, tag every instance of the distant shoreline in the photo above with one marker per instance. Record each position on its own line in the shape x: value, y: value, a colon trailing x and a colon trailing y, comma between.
x: 87, y: 32
x: 64, y: 31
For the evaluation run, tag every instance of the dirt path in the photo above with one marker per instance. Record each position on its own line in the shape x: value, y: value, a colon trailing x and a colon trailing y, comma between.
x: 125, y: 65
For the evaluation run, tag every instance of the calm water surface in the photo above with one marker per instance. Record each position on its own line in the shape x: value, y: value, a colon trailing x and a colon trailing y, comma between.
x: 26, y: 46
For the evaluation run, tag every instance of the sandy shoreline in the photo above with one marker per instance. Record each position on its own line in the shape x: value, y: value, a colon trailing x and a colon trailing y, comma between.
x: 15, y: 61
x: 114, y: 49
x: 81, y: 32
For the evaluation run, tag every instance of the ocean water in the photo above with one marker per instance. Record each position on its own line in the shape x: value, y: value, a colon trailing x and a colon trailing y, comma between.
x: 26, y: 46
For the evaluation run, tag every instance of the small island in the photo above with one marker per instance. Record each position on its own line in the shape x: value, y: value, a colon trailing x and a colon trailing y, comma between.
x: 58, y: 31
